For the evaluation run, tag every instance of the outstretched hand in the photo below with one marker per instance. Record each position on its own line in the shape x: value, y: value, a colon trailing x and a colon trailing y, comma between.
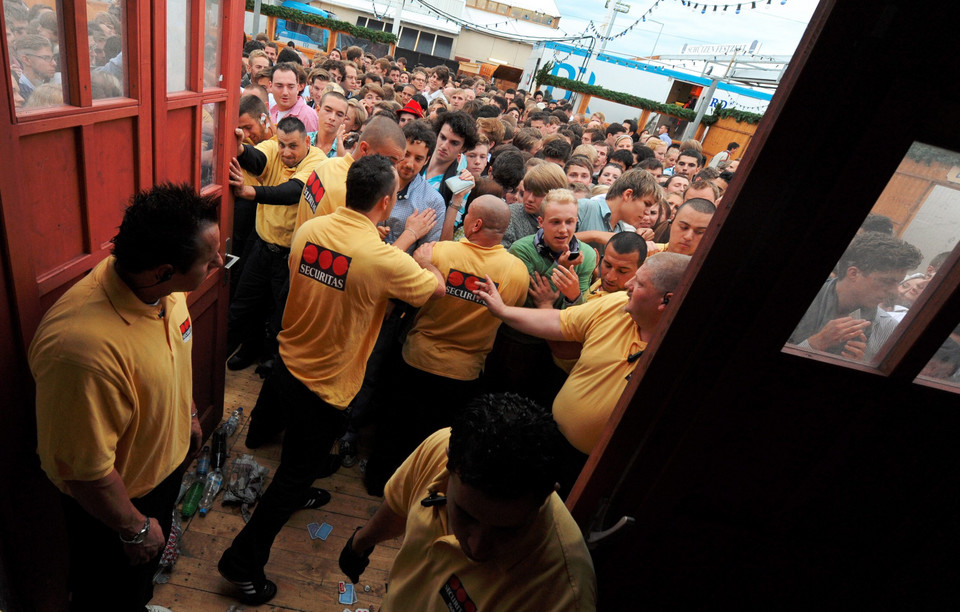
x: 487, y: 291
x: 542, y: 294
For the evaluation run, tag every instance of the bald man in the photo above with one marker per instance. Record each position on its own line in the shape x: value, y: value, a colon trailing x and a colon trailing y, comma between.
x: 326, y: 189
x: 445, y: 351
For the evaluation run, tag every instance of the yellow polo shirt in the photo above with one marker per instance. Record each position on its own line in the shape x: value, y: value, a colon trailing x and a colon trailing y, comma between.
x: 565, y: 354
x: 341, y: 277
x: 114, y: 384
x: 325, y: 190
x: 452, y: 336
x: 548, y: 570
x: 590, y: 393
x: 275, y: 222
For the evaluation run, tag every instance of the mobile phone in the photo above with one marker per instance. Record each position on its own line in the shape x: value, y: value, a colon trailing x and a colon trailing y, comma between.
x: 458, y: 185
x: 351, y: 139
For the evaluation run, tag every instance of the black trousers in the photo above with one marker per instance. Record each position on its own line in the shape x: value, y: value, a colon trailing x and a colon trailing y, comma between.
x: 414, y: 405
x: 244, y: 222
x: 100, y: 576
x: 311, y: 428
x: 524, y: 368
x: 259, y: 299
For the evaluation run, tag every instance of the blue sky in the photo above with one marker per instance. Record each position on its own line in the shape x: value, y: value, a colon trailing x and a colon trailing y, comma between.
x: 777, y: 26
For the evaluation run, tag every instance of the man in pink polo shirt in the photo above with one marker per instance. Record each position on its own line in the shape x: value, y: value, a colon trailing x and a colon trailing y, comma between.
x: 285, y: 87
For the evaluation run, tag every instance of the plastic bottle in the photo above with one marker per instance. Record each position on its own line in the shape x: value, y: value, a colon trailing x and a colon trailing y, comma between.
x: 234, y: 475
x: 203, y: 463
x: 210, y: 490
x: 230, y: 427
x: 185, y: 484
x: 219, y: 449
x: 192, y: 499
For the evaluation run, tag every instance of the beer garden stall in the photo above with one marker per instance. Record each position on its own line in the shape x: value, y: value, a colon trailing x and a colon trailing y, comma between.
x: 725, y: 125
x: 311, y: 31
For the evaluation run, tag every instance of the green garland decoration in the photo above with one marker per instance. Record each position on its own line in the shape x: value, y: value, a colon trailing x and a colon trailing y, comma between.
x: 542, y: 74
x: 643, y: 103
x: 333, y: 24
x: 737, y: 115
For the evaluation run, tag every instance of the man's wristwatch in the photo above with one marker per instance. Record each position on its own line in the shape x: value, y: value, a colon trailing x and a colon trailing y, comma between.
x: 141, y: 535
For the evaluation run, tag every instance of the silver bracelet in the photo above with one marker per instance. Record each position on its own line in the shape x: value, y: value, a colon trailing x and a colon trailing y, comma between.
x: 141, y: 535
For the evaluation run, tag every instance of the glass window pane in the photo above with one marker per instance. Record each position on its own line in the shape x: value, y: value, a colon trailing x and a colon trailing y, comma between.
x: 944, y: 366
x: 408, y: 37
x: 425, y: 44
x: 178, y: 44
x: 444, y: 47
x: 208, y: 139
x: 211, y: 45
x: 889, y: 265
x: 34, y: 40
x: 302, y: 34
x: 107, y: 38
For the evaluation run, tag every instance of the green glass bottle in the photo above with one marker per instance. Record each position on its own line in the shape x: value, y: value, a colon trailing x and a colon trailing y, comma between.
x: 192, y: 500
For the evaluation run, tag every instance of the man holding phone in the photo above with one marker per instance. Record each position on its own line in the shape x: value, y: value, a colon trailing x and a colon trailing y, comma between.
x: 560, y: 269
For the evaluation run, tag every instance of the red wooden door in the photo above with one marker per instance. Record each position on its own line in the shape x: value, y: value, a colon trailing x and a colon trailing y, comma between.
x: 74, y: 154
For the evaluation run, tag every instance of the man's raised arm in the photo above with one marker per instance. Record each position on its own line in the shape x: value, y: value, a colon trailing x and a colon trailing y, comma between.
x: 538, y: 322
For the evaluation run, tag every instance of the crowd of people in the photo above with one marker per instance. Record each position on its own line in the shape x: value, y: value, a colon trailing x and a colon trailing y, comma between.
x: 37, y: 62
x: 446, y: 281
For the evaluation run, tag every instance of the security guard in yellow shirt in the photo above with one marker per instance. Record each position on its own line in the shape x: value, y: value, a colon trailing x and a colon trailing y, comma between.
x: 614, y: 331
x: 115, y: 412
x: 282, y: 166
x: 445, y: 350
x: 482, y: 526
x: 342, y: 275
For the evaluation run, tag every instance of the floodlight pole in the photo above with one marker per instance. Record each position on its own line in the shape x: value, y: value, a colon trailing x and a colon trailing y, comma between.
x: 256, y: 18
x: 705, y: 101
x: 613, y: 7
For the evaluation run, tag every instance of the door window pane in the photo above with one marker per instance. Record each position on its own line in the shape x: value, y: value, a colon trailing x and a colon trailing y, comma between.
x: 208, y: 138
x: 211, y: 45
x: 891, y: 263
x: 34, y: 39
x: 178, y: 44
x: 944, y: 366
x: 107, y: 38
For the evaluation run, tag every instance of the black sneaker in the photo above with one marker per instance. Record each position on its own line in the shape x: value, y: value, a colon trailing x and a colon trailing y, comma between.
x: 241, y: 360
x: 316, y: 498
x: 348, y: 453
x: 254, y: 590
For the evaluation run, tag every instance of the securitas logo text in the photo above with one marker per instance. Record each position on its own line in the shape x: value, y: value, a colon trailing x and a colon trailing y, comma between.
x: 314, y: 191
x: 455, y: 596
x: 322, y: 264
x: 462, y: 284
x: 186, y: 330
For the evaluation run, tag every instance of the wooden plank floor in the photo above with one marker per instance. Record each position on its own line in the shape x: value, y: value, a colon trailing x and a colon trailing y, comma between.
x: 305, y: 570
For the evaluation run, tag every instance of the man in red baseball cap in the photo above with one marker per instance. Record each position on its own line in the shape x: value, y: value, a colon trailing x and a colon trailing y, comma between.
x: 411, y: 112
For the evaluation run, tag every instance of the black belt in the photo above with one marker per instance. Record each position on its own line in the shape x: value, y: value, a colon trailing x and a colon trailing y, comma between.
x: 274, y: 248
